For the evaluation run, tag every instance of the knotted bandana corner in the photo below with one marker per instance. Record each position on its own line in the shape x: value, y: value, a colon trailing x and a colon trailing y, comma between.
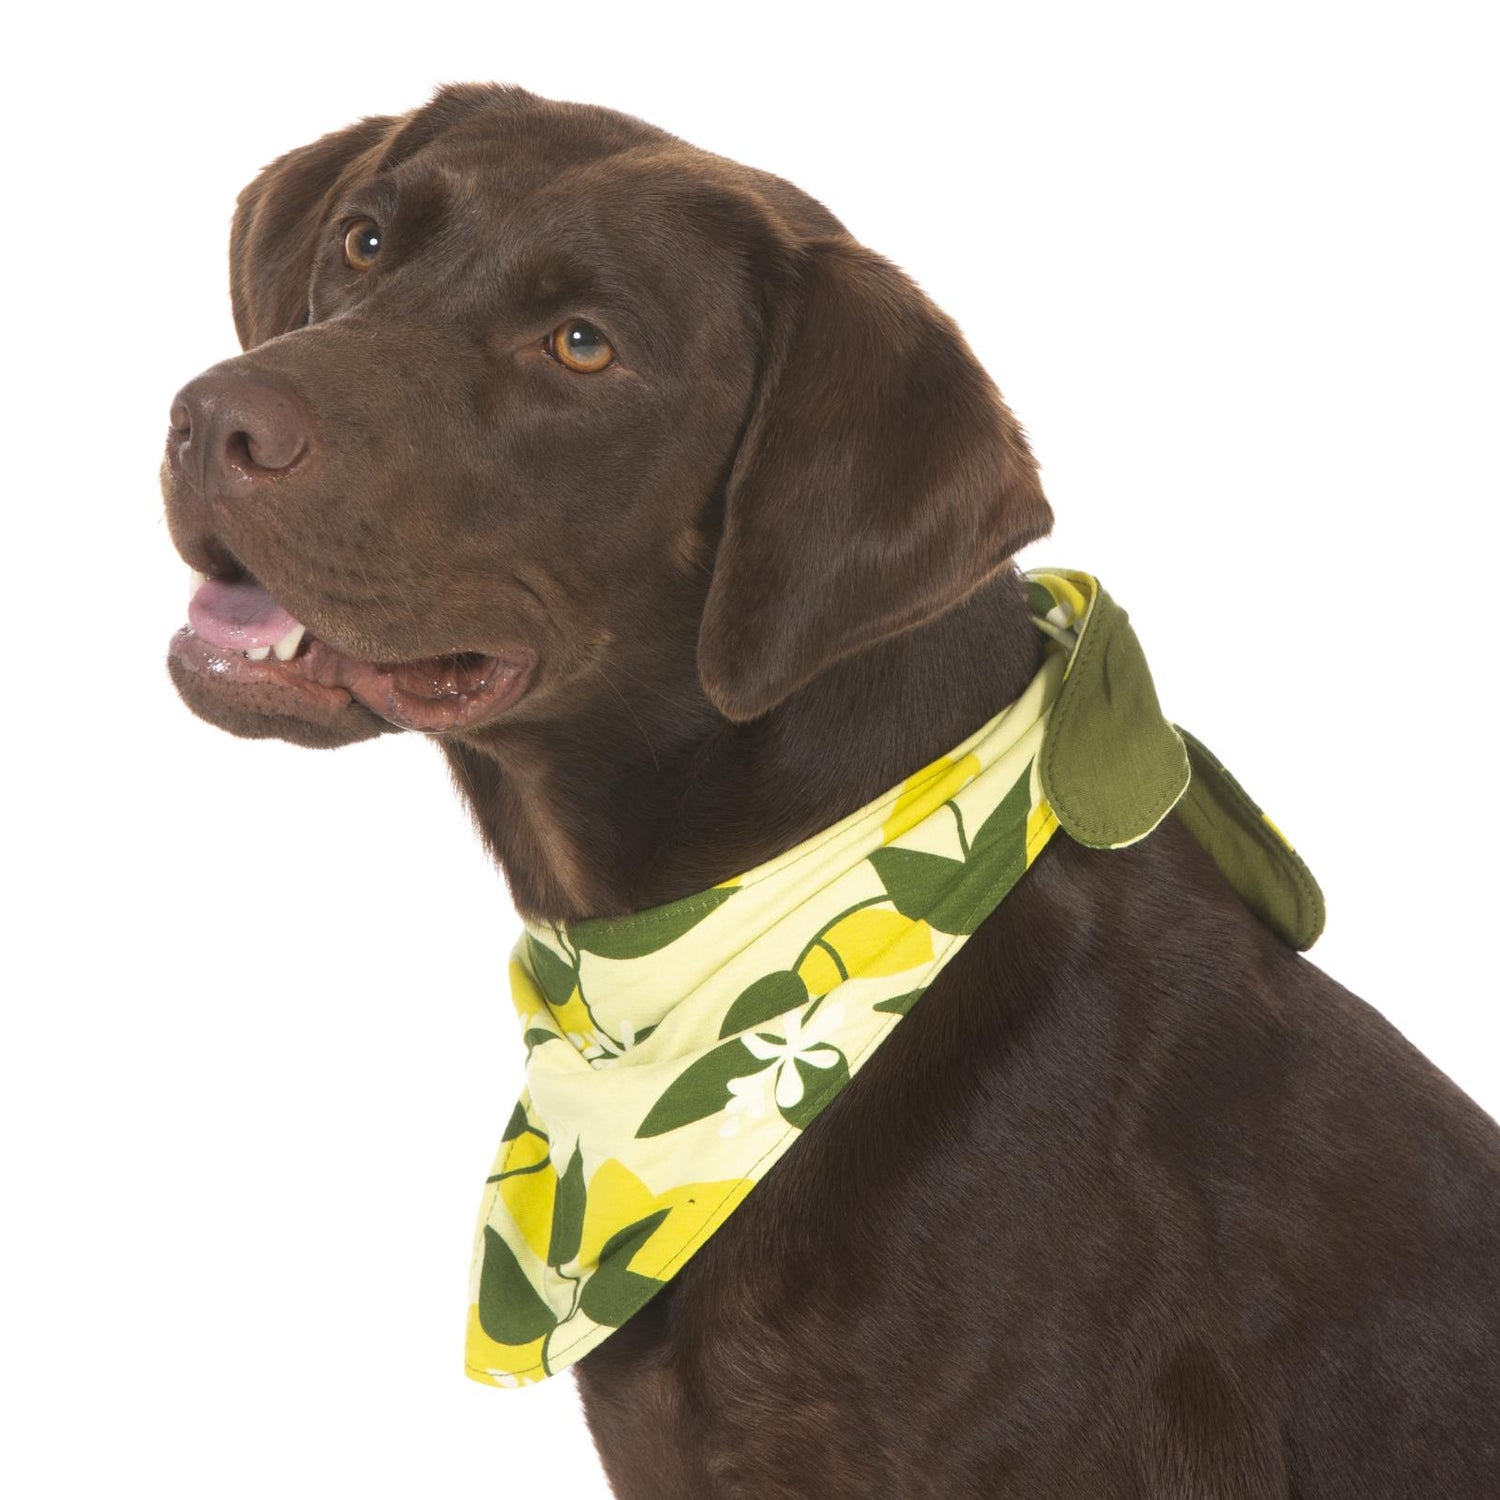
x: 675, y: 1054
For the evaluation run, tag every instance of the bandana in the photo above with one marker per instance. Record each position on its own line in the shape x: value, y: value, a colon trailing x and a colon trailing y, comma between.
x: 673, y: 1055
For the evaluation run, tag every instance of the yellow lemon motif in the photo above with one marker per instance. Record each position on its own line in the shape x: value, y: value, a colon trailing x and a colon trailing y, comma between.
x: 524, y: 994
x: 926, y: 790
x: 869, y: 943
x: 696, y: 1208
x: 529, y: 1194
x: 573, y: 1018
x: 617, y: 1198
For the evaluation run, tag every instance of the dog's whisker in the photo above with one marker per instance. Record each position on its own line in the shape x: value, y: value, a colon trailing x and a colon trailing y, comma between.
x: 662, y: 694
x: 628, y: 709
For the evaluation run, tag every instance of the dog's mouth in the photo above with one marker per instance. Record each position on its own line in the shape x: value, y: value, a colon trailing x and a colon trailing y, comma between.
x: 238, y: 635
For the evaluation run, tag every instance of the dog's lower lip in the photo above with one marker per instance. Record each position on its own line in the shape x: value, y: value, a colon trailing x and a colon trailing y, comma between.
x: 450, y: 692
x: 437, y: 693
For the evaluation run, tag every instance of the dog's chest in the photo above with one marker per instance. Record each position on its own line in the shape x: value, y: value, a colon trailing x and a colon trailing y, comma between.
x: 884, y: 1313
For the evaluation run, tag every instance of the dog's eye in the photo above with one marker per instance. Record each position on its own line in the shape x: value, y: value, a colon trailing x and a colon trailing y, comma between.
x: 361, y: 244
x: 580, y: 346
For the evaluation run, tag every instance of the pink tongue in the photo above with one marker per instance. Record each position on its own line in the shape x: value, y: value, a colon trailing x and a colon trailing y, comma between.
x: 242, y: 616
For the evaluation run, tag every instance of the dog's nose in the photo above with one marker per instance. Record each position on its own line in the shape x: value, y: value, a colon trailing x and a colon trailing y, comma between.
x: 231, y: 431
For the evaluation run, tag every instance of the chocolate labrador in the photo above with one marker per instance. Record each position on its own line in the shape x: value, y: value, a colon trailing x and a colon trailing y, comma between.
x: 684, y: 524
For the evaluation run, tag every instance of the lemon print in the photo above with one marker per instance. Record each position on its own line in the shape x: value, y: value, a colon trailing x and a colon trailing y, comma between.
x: 868, y: 943
x: 573, y: 1018
x: 524, y: 994
x: 926, y: 790
x: 618, y: 1198
x: 528, y: 1187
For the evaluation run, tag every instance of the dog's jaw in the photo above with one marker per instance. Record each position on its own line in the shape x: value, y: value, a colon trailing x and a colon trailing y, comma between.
x: 243, y: 659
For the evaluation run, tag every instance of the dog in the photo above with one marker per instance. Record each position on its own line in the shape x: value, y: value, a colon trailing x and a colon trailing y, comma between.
x: 678, y: 519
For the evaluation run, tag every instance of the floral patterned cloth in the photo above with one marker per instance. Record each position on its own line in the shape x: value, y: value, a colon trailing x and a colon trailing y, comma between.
x: 673, y: 1055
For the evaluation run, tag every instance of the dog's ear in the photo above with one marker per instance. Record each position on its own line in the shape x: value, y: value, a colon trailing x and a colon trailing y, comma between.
x: 880, y: 479
x: 279, y: 223
x: 282, y: 215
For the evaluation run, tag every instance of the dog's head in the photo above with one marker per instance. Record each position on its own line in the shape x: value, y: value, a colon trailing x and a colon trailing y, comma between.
x: 539, y: 400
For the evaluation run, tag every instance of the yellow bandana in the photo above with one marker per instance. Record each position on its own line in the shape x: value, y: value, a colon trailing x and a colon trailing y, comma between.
x: 674, y: 1054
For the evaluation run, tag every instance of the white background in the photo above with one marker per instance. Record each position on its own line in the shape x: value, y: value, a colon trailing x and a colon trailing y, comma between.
x: 1234, y: 268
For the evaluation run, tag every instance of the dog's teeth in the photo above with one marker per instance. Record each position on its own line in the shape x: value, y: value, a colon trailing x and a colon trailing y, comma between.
x: 259, y: 654
x: 286, y: 647
x: 197, y: 580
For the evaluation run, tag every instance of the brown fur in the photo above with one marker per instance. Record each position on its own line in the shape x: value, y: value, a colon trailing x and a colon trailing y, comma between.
x: 1136, y: 1202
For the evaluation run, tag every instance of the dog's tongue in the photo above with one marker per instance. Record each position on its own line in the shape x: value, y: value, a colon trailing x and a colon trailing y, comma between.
x: 241, y: 616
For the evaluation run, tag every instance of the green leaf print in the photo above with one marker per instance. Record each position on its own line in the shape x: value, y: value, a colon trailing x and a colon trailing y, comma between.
x: 770, y: 996
x: 997, y: 860
x: 614, y: 1292
x: 555, y: 978
x: 701, y: 1089
x: 945, y: 892
x: 567, y: 1212
x: 900, y: 1004
x: 1009, y: 819
x: 644, y: 932
x: 990, y: 872
x: 510, y: 1310
x: 516, y: 1124
x: 819, y: 1085
x: 915, y: 880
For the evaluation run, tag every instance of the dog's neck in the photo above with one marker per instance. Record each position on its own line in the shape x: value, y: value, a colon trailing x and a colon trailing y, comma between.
x: 653, y: 797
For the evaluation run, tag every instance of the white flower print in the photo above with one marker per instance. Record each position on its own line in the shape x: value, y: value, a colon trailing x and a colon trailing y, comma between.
x: 802, y: 1043
x: 601, y: 1050
x: 749, y: 1099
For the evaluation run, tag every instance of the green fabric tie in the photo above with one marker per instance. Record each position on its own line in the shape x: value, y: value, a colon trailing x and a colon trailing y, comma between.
x: 1113, y: 766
